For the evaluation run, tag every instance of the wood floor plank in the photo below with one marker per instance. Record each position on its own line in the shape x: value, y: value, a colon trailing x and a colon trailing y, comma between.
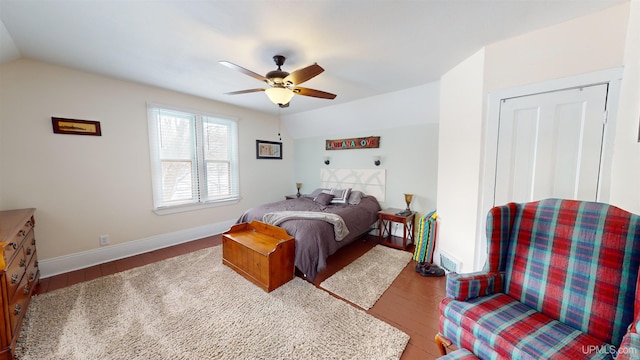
x: 57, y: 282
x: 75, y: 277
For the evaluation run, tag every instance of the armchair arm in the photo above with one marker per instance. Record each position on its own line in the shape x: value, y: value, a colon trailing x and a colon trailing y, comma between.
x: 630, y: 347
x: 472, y: 285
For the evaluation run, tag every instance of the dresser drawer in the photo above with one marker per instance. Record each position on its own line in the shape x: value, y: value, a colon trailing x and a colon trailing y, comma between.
x: 11, y: 247
x: 15, y: 271
x: 18, y: 304
x: 15, y: 241
x: 29, y: 246
x: 33, y: 272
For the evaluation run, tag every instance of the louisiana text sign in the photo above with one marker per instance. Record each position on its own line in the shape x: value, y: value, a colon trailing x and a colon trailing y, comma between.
x: 353, y: 143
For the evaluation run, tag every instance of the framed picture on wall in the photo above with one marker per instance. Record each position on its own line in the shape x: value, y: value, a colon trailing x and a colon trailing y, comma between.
x: 268, y: 149
x: 76, y: 127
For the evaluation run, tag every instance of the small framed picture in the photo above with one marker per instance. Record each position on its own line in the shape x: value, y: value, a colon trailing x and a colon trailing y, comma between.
x: 76, y: 127
x: 268, y: 149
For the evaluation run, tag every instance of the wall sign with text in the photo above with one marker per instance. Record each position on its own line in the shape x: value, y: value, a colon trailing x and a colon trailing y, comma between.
x: 353, y: 143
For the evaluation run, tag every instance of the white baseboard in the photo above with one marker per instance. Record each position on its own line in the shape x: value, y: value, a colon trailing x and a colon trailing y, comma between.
x: 85, y: 259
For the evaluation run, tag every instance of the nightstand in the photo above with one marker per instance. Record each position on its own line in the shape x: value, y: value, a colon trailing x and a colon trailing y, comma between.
x: 386, y: 217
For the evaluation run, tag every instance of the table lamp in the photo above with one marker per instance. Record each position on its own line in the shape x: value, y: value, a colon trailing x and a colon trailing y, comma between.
x: 407, y: 199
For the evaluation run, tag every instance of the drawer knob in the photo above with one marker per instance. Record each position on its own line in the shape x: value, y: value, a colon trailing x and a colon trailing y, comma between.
x: 33, y: 241
x: 13, y: 245
x: 21, y: 233
x: 17, y: 309
x: 14, y: 278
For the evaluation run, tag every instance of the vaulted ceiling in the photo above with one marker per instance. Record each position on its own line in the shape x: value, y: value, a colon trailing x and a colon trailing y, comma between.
x: 366, y: 47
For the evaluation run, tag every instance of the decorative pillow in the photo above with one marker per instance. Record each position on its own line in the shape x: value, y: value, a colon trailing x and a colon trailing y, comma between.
x: 355, y: 197
x: 317, y: 192
x: 340, y: 196
x: 323, y: 198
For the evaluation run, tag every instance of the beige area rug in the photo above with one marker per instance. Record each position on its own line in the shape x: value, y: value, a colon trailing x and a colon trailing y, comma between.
x: 193, y: 307
x: 363, y: 281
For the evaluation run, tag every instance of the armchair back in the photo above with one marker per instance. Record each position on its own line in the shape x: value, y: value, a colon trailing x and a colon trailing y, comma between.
x: 575, y: 261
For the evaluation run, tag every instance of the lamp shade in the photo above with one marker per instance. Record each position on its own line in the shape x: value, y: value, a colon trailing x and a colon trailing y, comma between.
x: 279, y: 96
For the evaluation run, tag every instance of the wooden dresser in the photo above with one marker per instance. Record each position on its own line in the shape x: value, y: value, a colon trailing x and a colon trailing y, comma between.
x: 19, y: 274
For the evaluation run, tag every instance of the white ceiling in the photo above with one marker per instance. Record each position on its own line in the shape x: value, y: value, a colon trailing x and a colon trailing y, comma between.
x: 366, y: 47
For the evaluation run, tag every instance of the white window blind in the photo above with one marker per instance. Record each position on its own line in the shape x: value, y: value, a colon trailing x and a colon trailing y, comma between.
x: 193, y: 158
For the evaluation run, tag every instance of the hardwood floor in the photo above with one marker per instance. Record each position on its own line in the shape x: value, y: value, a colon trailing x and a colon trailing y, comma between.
x: 410, y: 304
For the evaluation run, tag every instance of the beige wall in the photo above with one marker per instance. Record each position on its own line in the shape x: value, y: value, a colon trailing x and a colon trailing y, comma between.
x: 625, y: 175
x: 575, y: 47
x: 459, y: 154
x: 86, y: 186
x: 587, y: 44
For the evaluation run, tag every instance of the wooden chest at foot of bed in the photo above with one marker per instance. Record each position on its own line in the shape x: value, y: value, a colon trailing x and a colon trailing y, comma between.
x: 262, y: 253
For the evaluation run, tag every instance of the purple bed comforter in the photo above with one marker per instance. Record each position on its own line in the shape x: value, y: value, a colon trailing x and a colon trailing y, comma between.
x: 315, y: 239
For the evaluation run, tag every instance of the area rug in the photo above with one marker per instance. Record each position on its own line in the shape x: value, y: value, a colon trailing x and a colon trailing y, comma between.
x: 363, y: 281
x: 193, y: 307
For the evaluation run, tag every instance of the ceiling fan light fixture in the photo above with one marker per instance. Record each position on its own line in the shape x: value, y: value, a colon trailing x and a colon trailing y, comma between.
x: 279, y: 95
x: 281, y: 84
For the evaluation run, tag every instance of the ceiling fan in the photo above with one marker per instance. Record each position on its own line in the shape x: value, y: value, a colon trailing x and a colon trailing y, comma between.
x: 283, y: 85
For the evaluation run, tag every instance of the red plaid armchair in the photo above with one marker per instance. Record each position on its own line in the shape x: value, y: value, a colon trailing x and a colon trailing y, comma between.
x: 561, y: 282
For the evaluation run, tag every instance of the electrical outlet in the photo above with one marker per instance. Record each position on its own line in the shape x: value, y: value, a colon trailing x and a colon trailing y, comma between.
x: 104, y: 240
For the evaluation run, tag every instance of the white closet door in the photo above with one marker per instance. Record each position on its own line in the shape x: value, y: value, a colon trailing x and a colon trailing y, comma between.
x: 550, y: 145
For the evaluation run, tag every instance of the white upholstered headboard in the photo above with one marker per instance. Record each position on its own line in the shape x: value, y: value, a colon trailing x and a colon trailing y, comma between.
x: 369, y: 181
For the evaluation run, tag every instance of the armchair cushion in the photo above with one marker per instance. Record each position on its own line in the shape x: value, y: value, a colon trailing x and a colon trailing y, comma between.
x: 515, y: 330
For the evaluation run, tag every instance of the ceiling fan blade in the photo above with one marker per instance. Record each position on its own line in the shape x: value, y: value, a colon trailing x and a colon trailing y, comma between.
x: 314, y: 93
x: 244, y: 91
x: 243, y: 70
x: 301, y: 75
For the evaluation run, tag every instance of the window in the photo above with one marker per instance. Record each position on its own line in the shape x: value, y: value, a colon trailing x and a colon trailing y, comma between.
x: 193, y: 159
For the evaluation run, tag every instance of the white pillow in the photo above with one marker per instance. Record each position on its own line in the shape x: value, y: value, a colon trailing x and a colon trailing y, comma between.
x: 340, y: 196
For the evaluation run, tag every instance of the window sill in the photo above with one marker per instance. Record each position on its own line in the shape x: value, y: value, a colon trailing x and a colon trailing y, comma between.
x: 166, y: 210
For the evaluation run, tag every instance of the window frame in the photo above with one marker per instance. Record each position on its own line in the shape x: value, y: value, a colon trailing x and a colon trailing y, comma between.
x: 200, y: 186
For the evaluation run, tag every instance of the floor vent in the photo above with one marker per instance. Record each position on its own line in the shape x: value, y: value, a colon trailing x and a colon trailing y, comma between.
x: 449, y: 263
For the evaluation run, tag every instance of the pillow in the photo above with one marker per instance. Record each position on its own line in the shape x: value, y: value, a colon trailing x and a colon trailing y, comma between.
x: 323, y: 198
x: 317, y: 192
x: 340, y: 196
x: 355, y: 197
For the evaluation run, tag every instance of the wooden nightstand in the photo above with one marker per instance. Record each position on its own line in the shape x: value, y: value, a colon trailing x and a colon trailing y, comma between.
x: 386, y: 217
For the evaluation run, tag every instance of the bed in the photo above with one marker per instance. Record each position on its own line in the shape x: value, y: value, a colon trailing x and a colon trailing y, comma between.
x: 316, y: 238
